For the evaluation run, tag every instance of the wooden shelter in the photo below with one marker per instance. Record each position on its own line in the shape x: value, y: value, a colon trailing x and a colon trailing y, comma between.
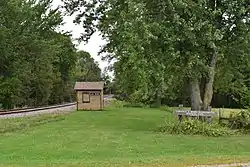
x: 89, y: 95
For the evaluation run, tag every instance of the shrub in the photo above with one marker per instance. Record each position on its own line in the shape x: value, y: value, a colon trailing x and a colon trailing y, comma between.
x: 167, y: 108
x: 240, y: 120
x: 134, y: 104
x: 117, y: 103
x: 120, y: 104
x: 195, y: 127
x: 120, y: 97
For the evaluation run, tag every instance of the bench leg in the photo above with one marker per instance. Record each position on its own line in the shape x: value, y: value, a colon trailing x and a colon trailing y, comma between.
x: 209, y: 119
x: 180, y: 118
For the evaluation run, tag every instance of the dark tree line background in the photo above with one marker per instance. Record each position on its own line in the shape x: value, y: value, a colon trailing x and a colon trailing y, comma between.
x: 38, y: 65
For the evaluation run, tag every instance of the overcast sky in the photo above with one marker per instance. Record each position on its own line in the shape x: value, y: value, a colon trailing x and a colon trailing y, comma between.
x: 94, y: 43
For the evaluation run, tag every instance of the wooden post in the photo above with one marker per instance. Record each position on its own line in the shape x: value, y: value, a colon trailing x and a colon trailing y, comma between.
x: 219, y: 116
x: 77, y: 101
x: 209, y: 119
x: 180, y: 116
x: 180, y: 106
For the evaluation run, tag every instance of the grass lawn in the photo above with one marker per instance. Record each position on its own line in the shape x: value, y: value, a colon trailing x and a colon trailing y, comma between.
x: 115, y: 137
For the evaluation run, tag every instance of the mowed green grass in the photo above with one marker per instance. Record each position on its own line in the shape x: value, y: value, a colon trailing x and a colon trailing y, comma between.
x: 115, y: 137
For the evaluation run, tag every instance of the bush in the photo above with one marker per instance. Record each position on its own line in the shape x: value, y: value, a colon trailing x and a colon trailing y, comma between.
x: 117, y: 103
x: 167, y: 108
x: 120, y: 97
x: 195, y: 127
x: 241, y: 120
x: 134, y: 104
x: 120, y: 104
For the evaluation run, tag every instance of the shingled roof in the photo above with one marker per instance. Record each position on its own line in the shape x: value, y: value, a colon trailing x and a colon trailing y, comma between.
x: 89, y: 85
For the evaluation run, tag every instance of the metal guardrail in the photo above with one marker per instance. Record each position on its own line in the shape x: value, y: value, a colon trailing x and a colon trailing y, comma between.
x: 36, y: 109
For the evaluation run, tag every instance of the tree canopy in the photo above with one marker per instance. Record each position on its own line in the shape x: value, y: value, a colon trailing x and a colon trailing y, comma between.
x: 173, y: 50
x: 37, y: 63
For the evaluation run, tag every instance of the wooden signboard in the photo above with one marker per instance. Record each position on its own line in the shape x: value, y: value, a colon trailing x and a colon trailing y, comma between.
x: 195, y: 113
x: 199, y: 114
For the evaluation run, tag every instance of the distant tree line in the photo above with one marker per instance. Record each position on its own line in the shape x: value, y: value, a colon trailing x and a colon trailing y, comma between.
x: 38, y: 65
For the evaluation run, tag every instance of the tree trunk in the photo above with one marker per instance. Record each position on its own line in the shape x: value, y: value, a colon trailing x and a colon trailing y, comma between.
x: 158, y: 98
x: 196, y: 101
x: 208, y: 93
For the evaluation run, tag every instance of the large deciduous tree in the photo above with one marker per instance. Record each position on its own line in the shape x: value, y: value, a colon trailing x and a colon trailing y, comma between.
x: 163, y: 43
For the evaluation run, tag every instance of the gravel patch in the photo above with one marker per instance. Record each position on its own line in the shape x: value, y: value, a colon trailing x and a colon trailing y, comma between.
x: 66, y: 109
x: 40, y: 112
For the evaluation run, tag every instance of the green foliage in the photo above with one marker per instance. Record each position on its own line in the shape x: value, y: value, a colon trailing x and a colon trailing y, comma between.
x: 127, y: 104
x: 241, y: 121
x: 121, y: 104
x: 135, y: 105
x: 86, y: 68
x: 109, y: 84
x: 238, y: 82
x: 195, y: 127
x: 167, y: 108
x: 176, y: 42
x: 37, y: 63
x: 117, y: 103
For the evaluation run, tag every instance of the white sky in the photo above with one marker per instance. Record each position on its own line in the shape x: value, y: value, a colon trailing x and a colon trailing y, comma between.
x: 94, y: 44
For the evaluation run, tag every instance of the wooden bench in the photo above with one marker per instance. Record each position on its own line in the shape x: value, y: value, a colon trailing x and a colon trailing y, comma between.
x: 204, y: 115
